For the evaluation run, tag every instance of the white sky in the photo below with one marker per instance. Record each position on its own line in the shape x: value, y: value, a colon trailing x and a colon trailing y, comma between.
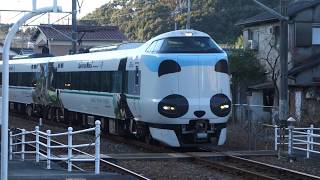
x: 11, y: 17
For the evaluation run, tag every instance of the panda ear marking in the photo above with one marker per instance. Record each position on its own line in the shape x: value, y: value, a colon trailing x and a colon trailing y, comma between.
x: 222, y: 66
x: 167, y: 67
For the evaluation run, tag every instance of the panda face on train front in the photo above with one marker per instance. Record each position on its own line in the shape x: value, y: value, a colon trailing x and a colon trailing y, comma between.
x: 185, y: 89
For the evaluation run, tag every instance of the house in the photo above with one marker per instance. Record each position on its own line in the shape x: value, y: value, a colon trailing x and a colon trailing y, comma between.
x: 11, y: 54
x: 56, y: 39
x: 261, y: 33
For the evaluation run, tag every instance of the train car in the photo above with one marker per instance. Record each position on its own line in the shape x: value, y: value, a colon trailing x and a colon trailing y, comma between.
x: 174, y: 88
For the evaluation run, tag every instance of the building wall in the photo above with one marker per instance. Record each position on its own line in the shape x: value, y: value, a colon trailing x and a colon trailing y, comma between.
x: 266, y: 43
x: 301, y: 35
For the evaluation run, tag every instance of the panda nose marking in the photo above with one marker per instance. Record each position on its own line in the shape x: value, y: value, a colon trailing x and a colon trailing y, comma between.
x: 199, y: 114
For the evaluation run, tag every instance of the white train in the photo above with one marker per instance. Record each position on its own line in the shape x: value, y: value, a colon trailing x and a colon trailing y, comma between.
x: 174, y: 89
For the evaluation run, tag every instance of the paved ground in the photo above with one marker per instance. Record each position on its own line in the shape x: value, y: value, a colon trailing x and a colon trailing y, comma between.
x: 29, y: 170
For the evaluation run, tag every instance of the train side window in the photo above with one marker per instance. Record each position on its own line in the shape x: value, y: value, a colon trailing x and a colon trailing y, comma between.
x: 116, y: 81
x: 105, y: 81
x: 13, y: 79
x: 61, y: 80
x: 84, y: 83
x: 95, y: 80
x: 75, y: 80
x: 67, y: 80
x: 1, y: 78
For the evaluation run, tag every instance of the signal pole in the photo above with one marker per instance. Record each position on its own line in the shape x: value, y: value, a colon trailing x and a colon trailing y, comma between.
x: 74, y: 27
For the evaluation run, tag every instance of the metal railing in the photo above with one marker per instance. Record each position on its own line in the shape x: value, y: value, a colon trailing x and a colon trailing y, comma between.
x: 19, y: 139
x: 302, y: 139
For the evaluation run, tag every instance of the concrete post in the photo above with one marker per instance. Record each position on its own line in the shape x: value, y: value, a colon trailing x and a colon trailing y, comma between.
x: 70, y: 129
x: 23, y: 140
x: 10, y: 145
x: 291, y: 122
x: 37, y: 144
x: 276, y: 138
x: 48, y: 149
x: 311, y: 131
x: 308, y: 143
x: 97, y: 147
x: 40, y: 122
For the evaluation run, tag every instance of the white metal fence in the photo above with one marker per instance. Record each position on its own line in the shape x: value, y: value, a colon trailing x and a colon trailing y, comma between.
x: 19, y: 140
x: 300, y: 139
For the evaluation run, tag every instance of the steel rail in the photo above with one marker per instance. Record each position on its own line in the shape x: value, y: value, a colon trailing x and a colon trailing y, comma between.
x: 276, y: 171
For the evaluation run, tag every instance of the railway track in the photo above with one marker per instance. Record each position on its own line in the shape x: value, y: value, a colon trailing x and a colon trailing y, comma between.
x: 232, y: 164
x: 254, y: 169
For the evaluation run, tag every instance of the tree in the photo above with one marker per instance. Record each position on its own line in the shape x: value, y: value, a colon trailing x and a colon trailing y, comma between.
x: 271, y: 60
x: 143, y: 19
x: 245, y: 68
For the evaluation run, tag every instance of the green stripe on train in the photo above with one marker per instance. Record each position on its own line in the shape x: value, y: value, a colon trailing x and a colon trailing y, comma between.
x: 98, y: 94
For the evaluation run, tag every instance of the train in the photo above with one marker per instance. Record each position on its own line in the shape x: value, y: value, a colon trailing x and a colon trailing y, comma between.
x: 174, y: 89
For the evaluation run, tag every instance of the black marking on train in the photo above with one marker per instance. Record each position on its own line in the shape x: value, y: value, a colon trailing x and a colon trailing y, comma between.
x: 180, y: 103
x: 167, y: 67
x: 122, y: 64
x: 222, y: 66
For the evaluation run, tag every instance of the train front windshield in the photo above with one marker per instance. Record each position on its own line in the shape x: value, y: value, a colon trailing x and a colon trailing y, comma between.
x: 189, y: 45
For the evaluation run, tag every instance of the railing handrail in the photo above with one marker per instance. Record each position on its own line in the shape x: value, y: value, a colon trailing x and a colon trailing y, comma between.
x: 304, y: 137
x: 48, y: 156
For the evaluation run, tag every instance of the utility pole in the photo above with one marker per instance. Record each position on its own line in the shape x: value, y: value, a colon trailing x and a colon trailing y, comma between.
x: 283, y: 102
x: 189, y: 15
x: 283, y: 99
x: 74, y: 27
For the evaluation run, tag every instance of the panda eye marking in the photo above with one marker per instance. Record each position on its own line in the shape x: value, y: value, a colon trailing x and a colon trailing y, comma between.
x: 222, y: 66
x: 167, y: 67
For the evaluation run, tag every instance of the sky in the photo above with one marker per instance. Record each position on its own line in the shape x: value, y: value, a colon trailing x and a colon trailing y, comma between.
x: 11, y: 17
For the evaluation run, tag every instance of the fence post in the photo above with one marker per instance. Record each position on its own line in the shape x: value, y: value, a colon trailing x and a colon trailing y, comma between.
x: 308, y: 144
x: 70, y: 129
x: 311, y: 131
x: 23, y: 140
x: 37, y: 144
x: 40, y: 122
x: 48, y: 149
x: 10, y: 146
x: 290, y: 139
x: 97, y: 147
x: 276, y: 138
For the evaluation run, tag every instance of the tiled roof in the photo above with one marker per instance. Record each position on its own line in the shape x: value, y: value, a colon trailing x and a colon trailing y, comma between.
x: 85, y: 33
x: 293, y: 9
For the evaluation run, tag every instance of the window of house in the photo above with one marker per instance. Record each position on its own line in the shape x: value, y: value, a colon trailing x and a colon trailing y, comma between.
x: 316, y: 35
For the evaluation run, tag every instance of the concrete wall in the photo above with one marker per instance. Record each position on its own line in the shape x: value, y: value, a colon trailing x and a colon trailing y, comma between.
x: 267, y: 40
x: 309, y: 18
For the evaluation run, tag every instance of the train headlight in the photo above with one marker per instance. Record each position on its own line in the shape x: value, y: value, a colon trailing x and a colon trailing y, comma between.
x: 173, y: 106
x: 169, y: 108
x: 220, y: 105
